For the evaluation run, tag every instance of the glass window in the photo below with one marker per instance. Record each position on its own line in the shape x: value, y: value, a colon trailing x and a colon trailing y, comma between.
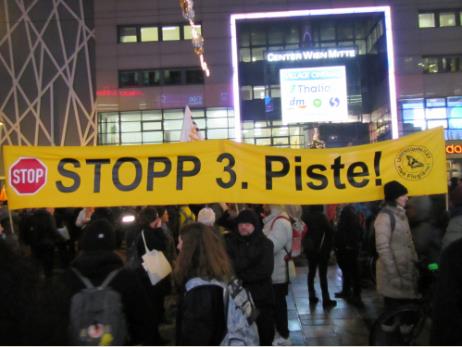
x: 454, y: 112
x: 200, y: 123
x: 262, y: 132
x: 194, y: 77
x: 430, y: 65
x: 151, y: 78
x: 412, y: 103
x: 449, y: 64
x: 171, y: 33
x: 455, y: 101
x: 187, y: 32
x: 197, y: 114
x: 293, y: 35
x: 129, y: 78
x: 282, y: 131
x: 127, y: 34
x: 447, y: 19
x: 244, y: 55
x: 149, y: 34
x: 173, y: 124
x: 455, y: 123
x: 280, y: 141
x: 258, y: 37
x: 246, y: 93
x: 263, y: 142
x: 413, y: 114
x: 152, y: 126
x: 259, y: 92
x: 217, y: 134
x: 435, y: 112
x: 360, y: 30
x: 153, y: 137
x: 361, y: 44
x: 172, y: 136
x: 152, y: 115
x: 258, y: 53
x: 275, y: 36
x: 435, y: 102
x: 131, y: 138
x: 345, y: 31
x: 172, y: 77
x: 130, y: 126
x: 217, y: 123
x: 174, y: 114
x: 109, y: 117
x: 217, y: 112
x: 130, y: 116
x: 244, y: 39
x: 437, y: 123
x: 327, y: 31
x: 426, y: 20
x: 275, y: 91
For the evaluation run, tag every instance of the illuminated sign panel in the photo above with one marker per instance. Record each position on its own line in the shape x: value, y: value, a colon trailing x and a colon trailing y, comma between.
x: 315, y: 94
x: 331, y: 53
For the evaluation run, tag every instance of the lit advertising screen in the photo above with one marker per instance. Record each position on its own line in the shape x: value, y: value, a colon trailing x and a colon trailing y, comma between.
x: 314, y: 94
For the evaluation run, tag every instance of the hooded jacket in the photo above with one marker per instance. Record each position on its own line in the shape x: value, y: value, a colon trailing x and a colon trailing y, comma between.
x: 253, y: 263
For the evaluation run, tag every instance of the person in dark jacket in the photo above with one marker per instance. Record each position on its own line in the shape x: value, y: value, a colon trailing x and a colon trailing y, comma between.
x: 251, y: 253
x: 447, y: 299
x: 96, y: 260
x: 317, y: 246
x: 201, y: 310
x: 151, y: 227
x: 347, y: 244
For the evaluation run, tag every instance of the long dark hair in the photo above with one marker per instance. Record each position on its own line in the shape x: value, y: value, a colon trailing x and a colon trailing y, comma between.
x: 203, y: 254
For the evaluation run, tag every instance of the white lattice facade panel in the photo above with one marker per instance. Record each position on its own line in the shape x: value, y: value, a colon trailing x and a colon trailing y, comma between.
x: 47, y: 93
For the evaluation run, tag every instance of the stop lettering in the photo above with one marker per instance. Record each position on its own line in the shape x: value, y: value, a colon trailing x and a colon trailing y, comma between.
x: 27, y: 176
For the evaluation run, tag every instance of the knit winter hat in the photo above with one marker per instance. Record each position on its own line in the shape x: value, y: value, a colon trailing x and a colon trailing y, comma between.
x: 98, y: 236
x: 248, y: 216
x: 394, y: 190
x: 206, y: 216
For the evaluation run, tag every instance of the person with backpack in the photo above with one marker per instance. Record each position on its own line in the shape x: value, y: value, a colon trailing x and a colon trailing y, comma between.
x: 252, y: 257
x: 317, y: 246
x: 278, y: 229
x: 201, y: 308
x: 397, y: 274
x: 106, y: 303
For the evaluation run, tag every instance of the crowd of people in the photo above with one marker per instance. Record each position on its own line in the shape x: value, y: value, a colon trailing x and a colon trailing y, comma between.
x: 45, y: 253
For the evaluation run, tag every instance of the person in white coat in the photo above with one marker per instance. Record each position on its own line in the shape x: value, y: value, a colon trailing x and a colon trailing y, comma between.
x: 397, y: 273
x: 278, y: 228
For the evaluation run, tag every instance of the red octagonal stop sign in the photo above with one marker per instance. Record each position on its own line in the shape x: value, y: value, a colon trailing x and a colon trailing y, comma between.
x: 27, y: 176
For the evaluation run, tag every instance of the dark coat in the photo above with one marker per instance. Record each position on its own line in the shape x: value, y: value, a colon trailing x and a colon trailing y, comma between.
x: 201, y: 317
x: 253, y: 263
x: 96, y: 267
x: 318, y: 225
x: 447, y: 305
x: 349, y: 231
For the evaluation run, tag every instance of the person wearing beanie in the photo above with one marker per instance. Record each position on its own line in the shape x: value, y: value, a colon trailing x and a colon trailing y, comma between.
x: 206, y: 216
x: 251, y: 254
x: 396, y: 270
x: 454, y: 227
x: 96, y: 261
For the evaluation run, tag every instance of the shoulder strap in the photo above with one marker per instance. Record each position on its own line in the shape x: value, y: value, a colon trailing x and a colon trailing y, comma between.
x: 109, y: 278
x: 144, y: 241
x: 392, y: 217
x: 279, y: 217
x: 82, y: 278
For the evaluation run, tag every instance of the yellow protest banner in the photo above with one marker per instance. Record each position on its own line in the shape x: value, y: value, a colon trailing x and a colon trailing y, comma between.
x: 221, y: 170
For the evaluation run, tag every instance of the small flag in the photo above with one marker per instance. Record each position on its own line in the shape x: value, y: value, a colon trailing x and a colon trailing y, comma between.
x: 189, y: 130
x: 3, y: 194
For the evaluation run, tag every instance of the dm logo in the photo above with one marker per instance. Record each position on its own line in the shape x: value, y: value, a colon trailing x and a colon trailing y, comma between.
x: 414, y: 163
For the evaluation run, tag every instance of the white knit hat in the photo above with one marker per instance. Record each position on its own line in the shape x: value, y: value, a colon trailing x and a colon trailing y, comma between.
x: 206, y: 216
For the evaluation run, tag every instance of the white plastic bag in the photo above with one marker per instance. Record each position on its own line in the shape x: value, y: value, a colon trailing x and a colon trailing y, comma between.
x: 155, y: 263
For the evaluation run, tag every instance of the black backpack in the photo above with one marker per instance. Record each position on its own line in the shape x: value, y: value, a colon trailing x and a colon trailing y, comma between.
x: 96, y: 316
x: 370, y: 240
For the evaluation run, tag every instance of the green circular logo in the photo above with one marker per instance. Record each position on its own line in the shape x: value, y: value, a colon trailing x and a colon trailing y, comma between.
x: 317, y: 102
